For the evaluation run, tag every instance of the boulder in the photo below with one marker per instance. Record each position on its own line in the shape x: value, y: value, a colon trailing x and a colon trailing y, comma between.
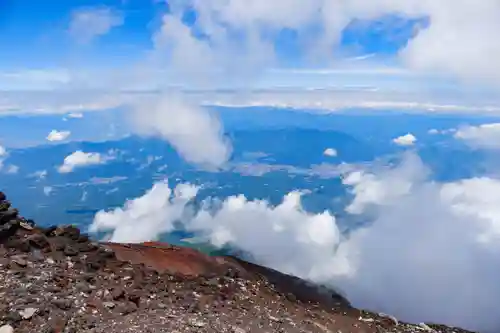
x: 8, y: 215
x: 4, y: 205
x: 8, y: 229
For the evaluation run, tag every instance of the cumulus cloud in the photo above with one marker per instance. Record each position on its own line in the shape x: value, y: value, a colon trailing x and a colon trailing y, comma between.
x: 195, y: 133
x: 330, y: 152
x: 160, y: 207
x: 457, y: 40
x: 155, y: 213
x: 80, y: 159
x: 89, y: 23
x: 55, y: 135
x: 407, y: 261
x: 313, y: 235
x: 486, y: 136
x: 422, y: 245
x: 405, y: 140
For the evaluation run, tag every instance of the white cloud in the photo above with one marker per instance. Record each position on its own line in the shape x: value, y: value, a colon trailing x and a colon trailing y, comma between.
x: 407, y: 261
x: 385, y: 187
x: 237, y: 218
x: 58, y: 101
x: 34, y: 79
x: 405, y: 140
x: 47, y: 190
x: 80, y: 159
x: 89, y: 23
x: 486, y: 136
x: 195, y: 133
x: 422, y: 245
x: 455, y: 42
x: 458, y: 40
x: 330, y: 152
x: 40, y: 175
x: 3, y: 156
x: 442, y: 132
x: 84, y: 196
x: 55, y: 135
x: 12, y: 169
x: 155, y: 212
x: 328, y: 100
x: 75, y: 115
x: 160, y: 207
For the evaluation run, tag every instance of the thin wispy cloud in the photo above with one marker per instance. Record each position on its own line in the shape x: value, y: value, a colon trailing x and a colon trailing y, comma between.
x: 75, y: 115
x: 486, y: 136
x: 12, y: 169
x: 89, y: 23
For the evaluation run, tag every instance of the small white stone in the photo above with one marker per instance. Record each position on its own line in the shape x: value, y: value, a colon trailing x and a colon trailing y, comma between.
x: 6, y: 329
x: 196, y: 323
x: 238, y: 330
x: 425, y: 327
x: 366, y: 320
x: 392, y: 318
x: 26, y: 226
x: 28, y: 313
x: 274, y: 318
x: 109, y: 305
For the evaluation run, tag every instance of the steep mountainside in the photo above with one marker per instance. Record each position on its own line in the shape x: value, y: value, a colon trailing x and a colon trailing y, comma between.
x: 57, y: 280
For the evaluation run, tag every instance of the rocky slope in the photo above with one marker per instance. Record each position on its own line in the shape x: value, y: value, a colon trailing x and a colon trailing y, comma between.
x: 57, y: 280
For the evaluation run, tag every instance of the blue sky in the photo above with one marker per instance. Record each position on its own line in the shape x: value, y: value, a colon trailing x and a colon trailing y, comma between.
x: 36, y: 35
x: 31, y: 28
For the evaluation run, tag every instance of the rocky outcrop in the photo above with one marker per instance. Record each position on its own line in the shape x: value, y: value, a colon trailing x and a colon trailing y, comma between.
x: 57, y: 280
